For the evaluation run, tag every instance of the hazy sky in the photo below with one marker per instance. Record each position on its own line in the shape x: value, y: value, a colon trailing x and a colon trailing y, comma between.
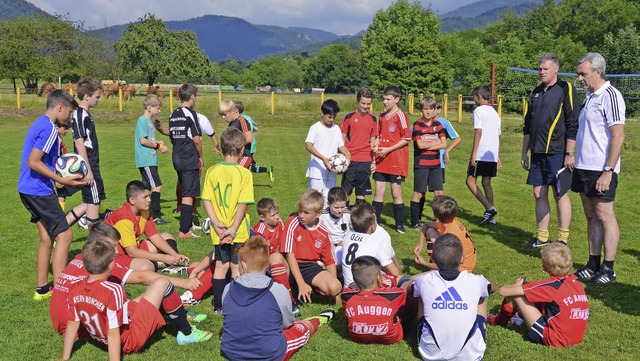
x: 342, y: 17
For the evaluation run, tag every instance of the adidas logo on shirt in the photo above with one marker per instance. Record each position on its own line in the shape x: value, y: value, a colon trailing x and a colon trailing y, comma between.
x: 449, y: 300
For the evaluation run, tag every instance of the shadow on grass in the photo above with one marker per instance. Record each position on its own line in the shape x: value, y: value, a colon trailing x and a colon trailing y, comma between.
x: 619, y: 297
x: 631, y: 252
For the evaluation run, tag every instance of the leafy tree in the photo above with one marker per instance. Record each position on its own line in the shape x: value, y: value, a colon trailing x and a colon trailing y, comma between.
x: 279, y: 71
x: 401, y: 48
x: 337, y: 68
x: 622, y: 51
x: 151, y: 48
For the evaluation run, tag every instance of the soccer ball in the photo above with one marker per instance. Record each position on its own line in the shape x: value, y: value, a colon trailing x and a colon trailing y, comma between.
x: 338, y: 163
x: 70, y: 164
x: 206, y: 225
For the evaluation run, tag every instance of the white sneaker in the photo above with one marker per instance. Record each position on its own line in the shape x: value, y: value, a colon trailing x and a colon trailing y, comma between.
x: 83, y: 223
x: 188, y: 300
x: 175, y: 270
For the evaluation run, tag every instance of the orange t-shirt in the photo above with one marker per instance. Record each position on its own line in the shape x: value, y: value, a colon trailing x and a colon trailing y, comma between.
x: 468, y: 248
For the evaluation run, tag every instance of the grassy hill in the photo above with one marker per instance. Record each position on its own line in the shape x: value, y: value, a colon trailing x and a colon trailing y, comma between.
x: 10, y: 9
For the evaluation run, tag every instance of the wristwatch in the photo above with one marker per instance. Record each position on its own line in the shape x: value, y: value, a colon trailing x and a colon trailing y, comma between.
x: 568, y: 154
x: 608, y: 169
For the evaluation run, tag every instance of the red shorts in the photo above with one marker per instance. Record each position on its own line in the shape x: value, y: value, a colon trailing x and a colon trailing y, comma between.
x: 245, y: 161
x: 297, y: 336
x: 144, y: 320
x: 124, y: 260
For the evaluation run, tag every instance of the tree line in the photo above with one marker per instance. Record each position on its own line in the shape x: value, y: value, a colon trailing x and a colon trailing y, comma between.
x: 403, y: 45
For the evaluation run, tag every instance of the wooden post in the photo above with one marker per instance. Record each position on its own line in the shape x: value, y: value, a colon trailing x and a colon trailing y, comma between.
x: 459, y: 108
x: 445, y: 106
x: 273, y: 103
x: 18, y: 97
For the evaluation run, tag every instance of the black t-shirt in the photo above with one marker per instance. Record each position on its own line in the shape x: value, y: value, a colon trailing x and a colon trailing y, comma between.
x: 183, y: 126
x: 83, y: 127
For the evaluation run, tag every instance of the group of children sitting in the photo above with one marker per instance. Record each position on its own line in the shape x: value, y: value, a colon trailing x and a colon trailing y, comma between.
x: 276, y: 265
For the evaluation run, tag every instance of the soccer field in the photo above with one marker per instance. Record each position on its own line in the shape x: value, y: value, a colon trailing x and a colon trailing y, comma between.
x: 614, y: 324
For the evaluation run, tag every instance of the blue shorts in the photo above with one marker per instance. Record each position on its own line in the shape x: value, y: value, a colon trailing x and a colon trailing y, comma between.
x: 536, y: 332
x: 543, y: 168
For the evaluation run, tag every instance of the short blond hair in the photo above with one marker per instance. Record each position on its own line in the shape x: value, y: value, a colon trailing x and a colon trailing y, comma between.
x: 556, y: 259
x: 311, y: 200
x: 428, y: 102
x: 227, y: 106
x: 151, y: 100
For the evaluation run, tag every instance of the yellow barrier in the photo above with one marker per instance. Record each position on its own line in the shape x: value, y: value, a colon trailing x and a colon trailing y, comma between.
x: 120, y: 98
x: 459, y: 108
x: 18, y: 97
x: 445, y: 106
x: 219, y: 97
x: 273, y: 103
x: 171, y: 99
x: 321, y: 98
x: 500, y: 106
x: 525, y: 106
x: 411, y: 102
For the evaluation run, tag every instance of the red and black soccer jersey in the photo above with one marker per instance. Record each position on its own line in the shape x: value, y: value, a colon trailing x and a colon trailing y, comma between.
x: 308, y: 244
x: 372, y: 315
x: 83, y: 127
x: 274, y: 235
x: 564, y: 306
x: 183, y: 127
x: 358, y: 130
x: 244, y: 126
x: 393, y: 128
x: 130, y: 226
x: 428, y: 132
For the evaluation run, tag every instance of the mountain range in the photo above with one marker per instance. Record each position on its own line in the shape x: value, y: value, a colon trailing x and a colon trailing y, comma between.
x: 222, y: 37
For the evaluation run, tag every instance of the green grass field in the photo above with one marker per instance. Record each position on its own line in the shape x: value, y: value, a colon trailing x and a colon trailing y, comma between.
x: 614, y: 325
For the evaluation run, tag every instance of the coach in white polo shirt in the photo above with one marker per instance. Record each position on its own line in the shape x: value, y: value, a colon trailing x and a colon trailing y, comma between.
x: 599, y: 143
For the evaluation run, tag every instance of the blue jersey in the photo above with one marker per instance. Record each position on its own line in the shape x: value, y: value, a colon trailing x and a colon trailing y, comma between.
x: 42, y: 135
x: 451, y: 134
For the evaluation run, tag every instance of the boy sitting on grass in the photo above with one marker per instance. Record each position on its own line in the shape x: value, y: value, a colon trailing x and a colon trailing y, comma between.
x: 258, y: 321
x: 555, y: 310
x: 445, y: 210
x: 102, y: 308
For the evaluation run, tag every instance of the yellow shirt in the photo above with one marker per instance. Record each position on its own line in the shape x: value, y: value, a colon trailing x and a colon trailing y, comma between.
x: 226, y: 185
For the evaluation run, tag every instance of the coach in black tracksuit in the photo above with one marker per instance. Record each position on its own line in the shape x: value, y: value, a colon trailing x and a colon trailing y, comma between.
x: 550, y: 129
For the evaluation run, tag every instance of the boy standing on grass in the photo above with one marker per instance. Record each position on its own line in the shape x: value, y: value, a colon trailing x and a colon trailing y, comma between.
x: 185, y: 135
x: 113, y: 321
x: 145, y: 147
x: 360, y: 132
x: 392, y: 158
x: 35, y: 186
x: 445, y: 210
x: 453, y: 313
x: 228, y: 191
x: 485, y: 154
x: 86, y: 144
x: 324, y: 140
x: 230, y: 114
x: 258, y: 322
x: 255, y: 168
x: 555, y: 310
x: 428, y: 138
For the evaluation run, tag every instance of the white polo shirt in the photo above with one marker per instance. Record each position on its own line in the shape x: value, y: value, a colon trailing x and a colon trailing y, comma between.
x: 602, y: 109
x: 487, y: 119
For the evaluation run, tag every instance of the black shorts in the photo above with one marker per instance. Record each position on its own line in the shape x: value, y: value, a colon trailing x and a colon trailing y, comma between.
x: 536, y: 332
x: 46, y: 209
x: 226, y: 253
x: 427, y: 176
x: 443, y: 176
x: 543, y: 168
x: 483, y: 169
x: 357, y: 176
x: 150, y: 177
x: 189, y: 182
x: 309, y: 270
x: 388, y: 178
x: 67, y: 191
x: 584, y: 181
x: 94, y: 193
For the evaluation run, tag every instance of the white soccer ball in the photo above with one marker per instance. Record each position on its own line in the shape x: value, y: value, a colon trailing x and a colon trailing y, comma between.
x: 70, y: 164
x: 338, y: 163
x: 206, y: 225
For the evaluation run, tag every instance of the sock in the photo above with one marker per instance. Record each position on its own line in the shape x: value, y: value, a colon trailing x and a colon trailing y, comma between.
x: 378, y: 207
x: 218, y: 289
x: 186, y: 218
x: 415, y: 213
x: 422, y: 200
x: 543, y: 235
x: 505, y: 314
x: 279, y: 274
x: 257, y: 169
x: 315, y: 324
x: 563, y: 235
x: 43, y: 289
x: 491, y: 208
x: 594, y: 262
x: 173, y: 244
x: 206, y: 280
x: 62, y: 202
x: 178, y: 195
x: 608, y: 264
x: 398, y: 214
x: 92, y: 221
x: 155, y: 204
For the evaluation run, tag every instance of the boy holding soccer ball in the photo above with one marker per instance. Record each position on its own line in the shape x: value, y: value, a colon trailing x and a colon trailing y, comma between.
x: 39, y: 155
x: 324, y: 140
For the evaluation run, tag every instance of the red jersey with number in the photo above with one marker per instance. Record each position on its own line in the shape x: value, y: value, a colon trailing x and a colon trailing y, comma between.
x: 428, y: 132
x: 131, y: 226
x: 272, y: 234
x: 372, y: 315
x: 308, y: 244
x: 99, y: 306
x: 393, y: 128
x: 358, y: 130
x: 565, y: 307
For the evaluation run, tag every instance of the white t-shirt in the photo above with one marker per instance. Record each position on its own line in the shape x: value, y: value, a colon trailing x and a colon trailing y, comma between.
x: 361, y: 244
x: 326, y: 141
x: 487, y: 119
x: 205, y: 125
x: 603, y: 109
x: 337, y: 227
x: 450, y: 312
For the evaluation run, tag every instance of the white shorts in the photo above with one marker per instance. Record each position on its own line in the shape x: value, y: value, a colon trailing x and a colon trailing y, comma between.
x: 473, y: 350
x: 323, y: 185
